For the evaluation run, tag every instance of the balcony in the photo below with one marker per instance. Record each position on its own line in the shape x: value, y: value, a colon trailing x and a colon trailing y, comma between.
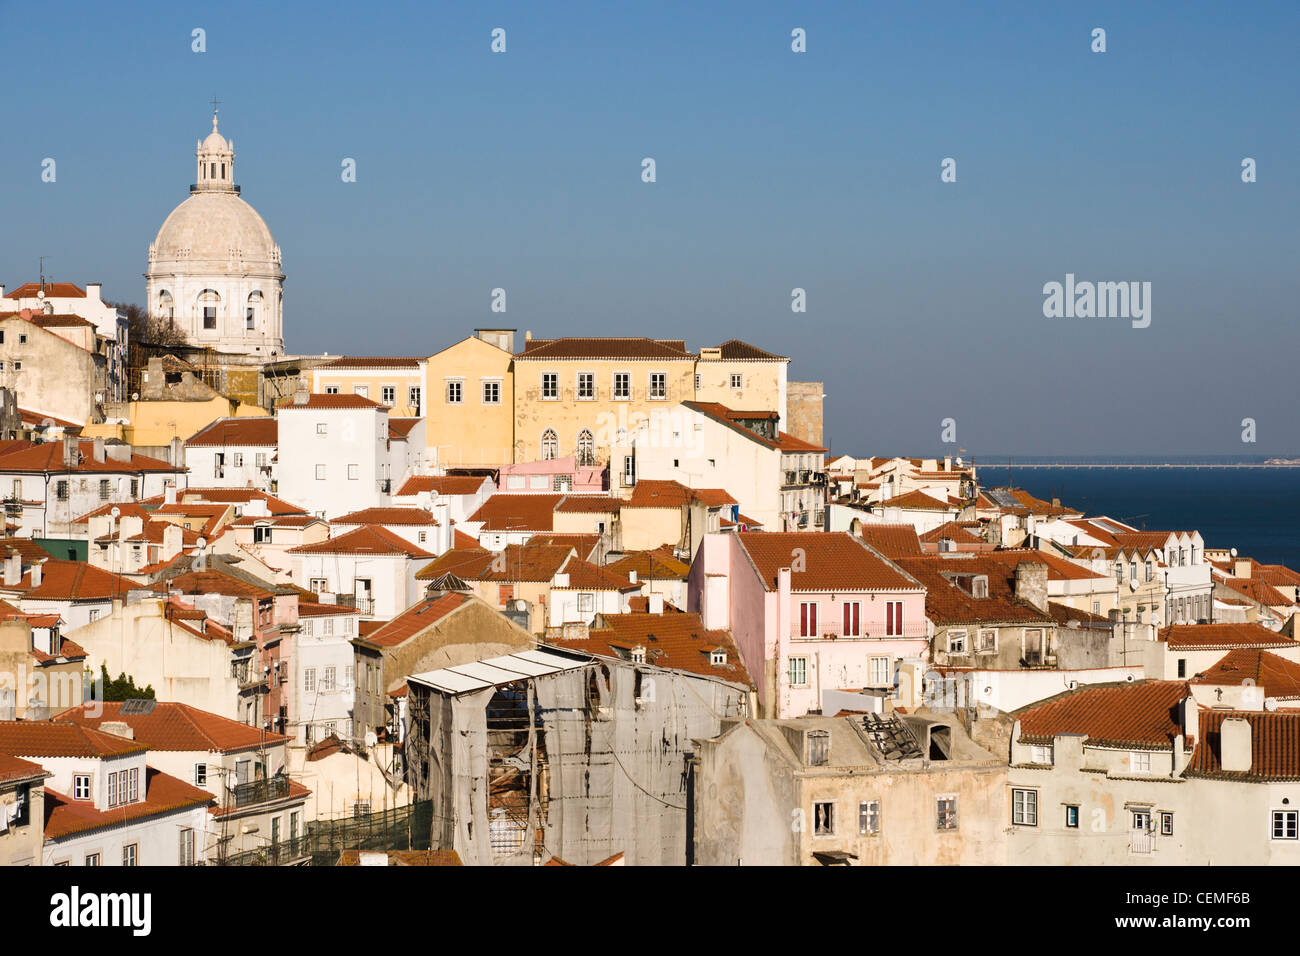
x: 364, y: 604
x: 259, y: 791
x: 835, y: 632
x: 283, y: 853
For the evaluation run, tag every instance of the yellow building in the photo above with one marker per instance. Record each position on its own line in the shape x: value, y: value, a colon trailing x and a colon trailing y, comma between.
x: 395, y: 382
x: 580, y: 396
x: 469, y: 421
x: 739, y: 375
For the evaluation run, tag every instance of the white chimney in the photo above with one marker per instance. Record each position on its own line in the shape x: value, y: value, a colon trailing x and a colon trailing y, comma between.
x: 173, y: 538
x: 631, y: 577
x: 1234, y: 745
x: 37, y: 574
x: 93, y: 290
x: 13, y: 569
x: 442, y: 534
x: 99, y: 449
x: 656, y: 603
x: 169, y: 494
x: 562, y: 579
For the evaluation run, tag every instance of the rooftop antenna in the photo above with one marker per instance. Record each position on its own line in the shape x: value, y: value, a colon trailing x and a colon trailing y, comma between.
x: 43, y: 258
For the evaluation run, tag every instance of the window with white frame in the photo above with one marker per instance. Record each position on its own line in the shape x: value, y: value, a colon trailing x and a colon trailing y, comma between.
x: 413, y: 395
x: 388, y: 395
x: 200, y: 774
x: 320, y: 472
x: 869, y: 818
x: 622, y: 386
x: 186, y: 856
x: 309, y: 680
x: 237, y: 459
x: 81, y: 786
x: 1286, y: 825
x: 322, y: 428
x: 880, y: 672
x: 658, y: 386
x: 354, y: 472
x: 131, y: 854
x: 807, y: 619
x: 331, y: 389
x: 956, y: 642
x: 1024, y: 808
x: 798, y: 672
x: 586, y: 603
x: 491, y: 391
x: 550, y: 445
x: 987, y: 642
x: 455, y: 391
x: 737, y: 380
x: 1041, y: 754
x: 550, y: 385
x: 362, y: 390
x: 327, y: 679
x: 319, y: 585
x: 1140, y: 761
x: 586, y: 386
x: 946, y: 811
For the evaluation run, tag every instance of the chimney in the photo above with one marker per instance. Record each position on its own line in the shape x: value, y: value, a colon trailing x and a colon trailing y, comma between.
x: 1241, y: 567
x: 1234, y: 745
x: 71, y: 453
x: 442, y: 534
x: 169, y: 494
x: 173, y: 537
x: 528, y: 336
x: 1031, y: 584
x: 13, y: 569
x: 118, y: 728
x: 176, y: 458
x: 2, y: 291
x: 631, y: 577
x: 562, y: 579
x: 301, y: 396
x: 656, y: 603
x: 99, y: 449
x: 37, y: 574
x: 93, y: 290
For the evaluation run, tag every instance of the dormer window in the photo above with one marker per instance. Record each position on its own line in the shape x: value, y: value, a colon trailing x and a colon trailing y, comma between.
x: 717, y: 657
x: 819, y: 747
x: 638, y: 655
x: 979, y: 586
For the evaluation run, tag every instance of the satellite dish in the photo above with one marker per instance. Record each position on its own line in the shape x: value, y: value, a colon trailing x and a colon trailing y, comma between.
x: 1270, y: 703
x: 135, y: 396
x: 116, y: 512
x: 1233, y: 552
x: 371, y: 738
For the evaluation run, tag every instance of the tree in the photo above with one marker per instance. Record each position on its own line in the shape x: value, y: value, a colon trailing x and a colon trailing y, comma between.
x: 146, y: 329
x: 123, y: 688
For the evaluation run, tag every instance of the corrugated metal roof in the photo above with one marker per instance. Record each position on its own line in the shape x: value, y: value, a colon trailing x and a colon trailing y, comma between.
x: 495, y: 671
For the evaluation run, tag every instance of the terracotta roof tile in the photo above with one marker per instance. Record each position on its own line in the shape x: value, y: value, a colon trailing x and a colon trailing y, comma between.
x: 605, y: 348
x: 516, y: 512
x: 655, y: 493
x: 442, y: 485
x: 413, y: 620
x: 401, y: 427
x: 1274, y: 746
x: 62, y: 738
x: 259, y: 432
x: 1277, y: 676
x: 53, y: 290
x: 585, y: 576
x: 832, y: 562
x: 657, y: 565
x: 588, y: 504
x: 892, y: 540
x: 947, y: 602
x: 368, y: 539
x: 734, y: 350
x: 325, y: 401
x: 387, y: 516
x: 1058, y: 569
x: 74, y: 581
x: 373, y: 361
x: 179, y: 727
x: 15, y: 769
x: 528, y: 562
x: 48, y: 457
x: 1142, y: 715
x: 163, y: 794
x: 917, y: 501
x: 1222, y: 636
x: 952, y: 531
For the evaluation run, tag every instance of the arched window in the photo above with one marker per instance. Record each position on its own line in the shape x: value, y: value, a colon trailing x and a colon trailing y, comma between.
x: 586, y: 448
x: 550, y: 445
x: 208, y: 302
x: 252, y: 310
x: 166, y: 308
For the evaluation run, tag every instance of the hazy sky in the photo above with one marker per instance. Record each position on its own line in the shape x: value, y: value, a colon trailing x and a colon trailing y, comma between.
x: 775, y: 170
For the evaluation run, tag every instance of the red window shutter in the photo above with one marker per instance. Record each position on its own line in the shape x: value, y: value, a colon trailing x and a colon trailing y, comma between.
x: 848, y: 619
x: 803, y: 620
x: 898, y: 624
x: 812, y: 620
x: 857, y: 609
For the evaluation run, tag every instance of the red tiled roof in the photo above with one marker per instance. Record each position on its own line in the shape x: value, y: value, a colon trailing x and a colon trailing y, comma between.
x: 588, y: 504
x: 584, y: 545
x: 179, y: 727
x: 1141, y: 715
x: 917, y: 501
x: 1277, y: 676
x: 952, y: 531
x: 517, y: 512
x: 373, y: 361
x: 789, y: 443
x: 401, y: 427
x: 1274, y: 746
x: 417, y: 618
x: 530, y: 562
x: 126, y: 509
x: 324, y: 401
x: 1261, y: 592
x: 58, y: 321
x: 74, y: 581
x: 163, y: 794
x: 831, y: 561
x: 734, y: 350
x: 946, y: 602
x: 585, y: 576
x: 674, y: 641
x: 601, y: 348
x: 387, y: 516
x: 1222, y: 636
x: 53, y: 290
x: 655, y: 493
x: 274, y: 505
x: 15, y: 769
x: 460, y: 540
x: 62, y: 738
x: 892, y: 540
x: 657, y: 565
x: 1058, y: 569
x: 442, y: 484
x: 211, y: 582
x: 367, y: 539
x: 49, y: 457
x: 259, y: 432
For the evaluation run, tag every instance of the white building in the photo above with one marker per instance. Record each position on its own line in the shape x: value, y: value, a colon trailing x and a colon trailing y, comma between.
x: 235, y: 453
x: 215, y: 268
x: 338, y: 446
x: 371, y: 568
x: 323, y: 673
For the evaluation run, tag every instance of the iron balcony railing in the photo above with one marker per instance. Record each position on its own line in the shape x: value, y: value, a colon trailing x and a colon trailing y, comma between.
x: 281, y: 853
x: 259, y: 791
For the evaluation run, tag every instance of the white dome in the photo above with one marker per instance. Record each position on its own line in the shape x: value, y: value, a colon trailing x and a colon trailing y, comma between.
x: 217, y: 229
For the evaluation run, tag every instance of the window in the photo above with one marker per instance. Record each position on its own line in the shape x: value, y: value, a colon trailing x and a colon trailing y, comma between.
x: 1166, y: 824
x: 81, y: 786
x: 1024, y: 808
x: 413, y: 396
x: 61, y: 490
x: 388, y: 395
x: 869, y: 818
x: 94, y: 614
x: 550, y: 445
x: 946, y: 807
x: 1096, y: 607
x: 824, y: 818
x: 455, y: 392
x: 798, y: 672
x: 586, y: 386
x: 327, y: 680
x: 105, y: 487
x: 249, y: 323
x: 1119, y: 572
x: 309, y: 680
x: 1071, y: 816
x: 331, y: 389
x: 622, y: 386
x: 322, y: 428
x: 737, y: 380
x: 880, y: 673
x: 295, y: 823
x: 362, y: 390
x: 133, y: 785
x: 261, y: 534
x: 1140, y: 761
x: 586, y: 602
x: 658, y: 385
x: 1285, y: 825
x: 586, y: 447
x: 852, y: 619
x: 491, y: 392
x: 1150, y: 572
x: 807, y: 619
x: 186, y: 847
x: 200, y: 774
x: 130, y: 854
x: 320, y: 472
x: 956, y: 642
x: 1041, y: 754
x: 988, y: 641
x: 92, y: 859
x: 629, y: 470
x: 550, y: 385
x: 1133, y: 571
x: 894, y: 618
x: 354, y: 472
x: 819, y: 748
x: 697, y: 381
x: 113, y: 799
x: 1182, y: 667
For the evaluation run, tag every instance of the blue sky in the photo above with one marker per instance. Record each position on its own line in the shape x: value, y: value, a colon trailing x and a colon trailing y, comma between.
x: 775, y: 170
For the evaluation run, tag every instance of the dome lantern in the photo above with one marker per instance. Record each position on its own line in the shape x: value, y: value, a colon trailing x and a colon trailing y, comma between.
x: 216, y: 163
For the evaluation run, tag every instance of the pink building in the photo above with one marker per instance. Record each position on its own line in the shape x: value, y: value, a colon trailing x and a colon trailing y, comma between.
x: 811, y: 612
x: 554, y: 475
